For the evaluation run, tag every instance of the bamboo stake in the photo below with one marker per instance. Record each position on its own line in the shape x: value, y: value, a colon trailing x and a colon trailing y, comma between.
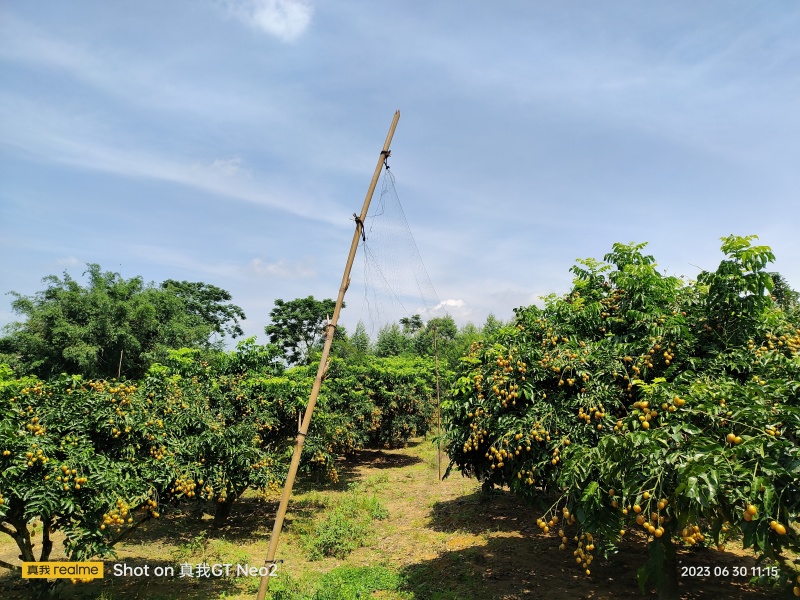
x: 301, y: 435
x: 438, y: 407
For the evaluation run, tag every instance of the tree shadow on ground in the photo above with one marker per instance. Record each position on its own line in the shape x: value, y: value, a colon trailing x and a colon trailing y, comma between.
x: 184, y: 523
x: 379, y: 459
x: 527, y: 567
x: 484, y: 512
x: 349, y: 469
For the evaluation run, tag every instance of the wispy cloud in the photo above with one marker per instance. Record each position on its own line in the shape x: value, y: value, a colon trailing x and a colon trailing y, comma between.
x: 287, y: 20
x: 230, y: 167
x: 69, y: 261
x: 166, y: 256
x: 281, y: 268
x: 52, y: 135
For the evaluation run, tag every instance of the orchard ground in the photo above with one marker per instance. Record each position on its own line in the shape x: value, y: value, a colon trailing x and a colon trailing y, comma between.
x: 440, y: 541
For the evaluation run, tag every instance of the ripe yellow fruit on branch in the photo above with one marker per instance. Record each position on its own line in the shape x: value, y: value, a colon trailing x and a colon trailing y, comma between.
x: 778, y: 528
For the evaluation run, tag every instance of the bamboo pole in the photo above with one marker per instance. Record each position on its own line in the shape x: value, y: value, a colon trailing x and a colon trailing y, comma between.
x: 438, y: 407
x: 312, y: 401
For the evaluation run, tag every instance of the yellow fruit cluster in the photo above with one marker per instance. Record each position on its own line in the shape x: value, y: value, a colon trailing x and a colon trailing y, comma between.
x: 68, y: 478
x: 117, y: 432
x: 37, y: 389
x: 749, y: 512
x: 528, y: 475
x: 691, y: 535
x: 478, y: 435
x: 158, y: 452
x: 333, y: 475
x: 732, y: 438
x: 596, y: 412
x: 185, y: 485
x: 35, y: 427
x: 117, y: 517
x: 583, y: 555
x: 37, y: 457
x: 648, y: 414
x: 546, y: 526
x: 789, y: 340
x: 318, y: 457
x: 777, y: 527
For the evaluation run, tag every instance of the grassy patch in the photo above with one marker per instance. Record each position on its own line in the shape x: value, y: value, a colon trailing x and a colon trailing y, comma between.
x: 346, y: 525
x: 342, y: 583
x: 203, y: 549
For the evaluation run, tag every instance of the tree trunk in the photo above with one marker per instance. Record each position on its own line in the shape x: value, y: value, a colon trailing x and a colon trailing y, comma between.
x: 669, y: 588
x: 223, y: 510
x: 20, y: 534
x: 47, y: 543
x: 40, y: 588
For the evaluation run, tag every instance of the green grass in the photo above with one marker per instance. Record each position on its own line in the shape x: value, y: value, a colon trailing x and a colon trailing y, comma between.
x: 346, y: 525
x: 342, y: 583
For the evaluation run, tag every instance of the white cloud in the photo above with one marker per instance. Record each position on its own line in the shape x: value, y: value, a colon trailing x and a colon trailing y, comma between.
x: 69, y: 261
x: 230, y: 167
x: 281, y: 268
x: 455, y: 307
x: 450, y: 303
x: 285, y: 19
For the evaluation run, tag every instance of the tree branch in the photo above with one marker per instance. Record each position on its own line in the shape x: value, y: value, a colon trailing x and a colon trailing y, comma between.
x: 6, y: 530
x: 10, y: 566
x: 128, y: 531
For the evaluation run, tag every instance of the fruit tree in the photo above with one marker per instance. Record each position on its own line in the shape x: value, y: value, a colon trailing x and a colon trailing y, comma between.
x: 639, y: 400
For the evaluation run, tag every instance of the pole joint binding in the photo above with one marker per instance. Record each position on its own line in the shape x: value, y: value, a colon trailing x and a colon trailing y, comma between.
x: 360, y: 223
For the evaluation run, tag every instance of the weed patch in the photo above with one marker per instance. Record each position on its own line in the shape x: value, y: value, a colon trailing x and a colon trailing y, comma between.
x: 346, y: 526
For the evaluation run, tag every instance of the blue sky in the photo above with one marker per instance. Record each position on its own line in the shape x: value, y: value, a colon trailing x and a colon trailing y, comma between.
x: 231, y: 141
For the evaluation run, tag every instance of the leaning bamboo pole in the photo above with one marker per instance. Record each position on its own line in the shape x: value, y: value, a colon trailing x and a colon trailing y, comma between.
x: 438, y: 407
x: 323, y: 361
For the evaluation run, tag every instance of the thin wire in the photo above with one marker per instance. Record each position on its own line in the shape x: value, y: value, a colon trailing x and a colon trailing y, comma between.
x: 390, y: 177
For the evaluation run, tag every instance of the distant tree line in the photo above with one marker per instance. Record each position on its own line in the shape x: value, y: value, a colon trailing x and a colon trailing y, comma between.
x: 116, y: 327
